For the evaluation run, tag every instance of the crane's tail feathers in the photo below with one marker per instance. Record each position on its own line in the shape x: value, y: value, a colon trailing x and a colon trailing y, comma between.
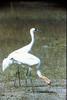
x: 6, y: 62
x: 48, y: 81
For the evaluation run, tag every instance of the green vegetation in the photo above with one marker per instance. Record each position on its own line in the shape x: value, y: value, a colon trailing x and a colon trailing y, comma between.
x: 50, y: 43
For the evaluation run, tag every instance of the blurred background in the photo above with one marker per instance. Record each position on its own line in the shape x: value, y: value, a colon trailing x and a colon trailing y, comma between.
x: 16, y: 19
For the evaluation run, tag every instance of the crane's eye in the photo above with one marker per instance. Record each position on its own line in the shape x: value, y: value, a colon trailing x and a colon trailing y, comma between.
x: 36, y: 29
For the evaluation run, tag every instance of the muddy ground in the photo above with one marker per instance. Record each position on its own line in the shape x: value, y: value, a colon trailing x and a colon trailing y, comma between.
x: 39, y: 91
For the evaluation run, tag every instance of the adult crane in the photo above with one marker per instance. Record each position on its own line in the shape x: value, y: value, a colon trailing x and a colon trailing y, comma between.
x: 24, y: 51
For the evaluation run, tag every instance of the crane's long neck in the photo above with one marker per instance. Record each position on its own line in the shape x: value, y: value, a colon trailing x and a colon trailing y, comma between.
x: 32, y: 39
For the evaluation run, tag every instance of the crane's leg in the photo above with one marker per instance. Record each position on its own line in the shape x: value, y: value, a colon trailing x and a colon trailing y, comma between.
x: 15, y: 78
x: 48, y: 81
x: 17, y: 75
x: 30, y: 76
x: 18, y: 72
x: 15, y: 82
x: 26, y: 77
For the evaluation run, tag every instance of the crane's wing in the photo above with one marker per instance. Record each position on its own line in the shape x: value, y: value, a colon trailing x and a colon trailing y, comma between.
x: 25, y: 58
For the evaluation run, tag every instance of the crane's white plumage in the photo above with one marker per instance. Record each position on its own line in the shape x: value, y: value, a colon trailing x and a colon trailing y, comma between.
x: 22, y: 56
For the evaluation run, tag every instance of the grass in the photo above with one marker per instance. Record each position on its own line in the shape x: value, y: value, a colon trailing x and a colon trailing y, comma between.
x: 14, y: 28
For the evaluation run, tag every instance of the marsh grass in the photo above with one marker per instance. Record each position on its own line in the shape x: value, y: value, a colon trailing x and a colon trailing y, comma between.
x: 50, y: 43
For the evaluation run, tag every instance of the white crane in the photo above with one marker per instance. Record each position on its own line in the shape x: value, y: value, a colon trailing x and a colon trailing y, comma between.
x: 24, y: 58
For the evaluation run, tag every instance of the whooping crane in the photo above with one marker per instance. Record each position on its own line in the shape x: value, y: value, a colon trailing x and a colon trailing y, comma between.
x: 21, y: 56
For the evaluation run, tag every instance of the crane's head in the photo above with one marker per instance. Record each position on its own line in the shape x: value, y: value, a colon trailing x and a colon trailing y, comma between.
x: 6, y: 63
x: 33, y: 30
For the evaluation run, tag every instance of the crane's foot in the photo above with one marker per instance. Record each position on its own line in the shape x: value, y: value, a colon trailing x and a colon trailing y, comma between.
x: 49, y: 83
